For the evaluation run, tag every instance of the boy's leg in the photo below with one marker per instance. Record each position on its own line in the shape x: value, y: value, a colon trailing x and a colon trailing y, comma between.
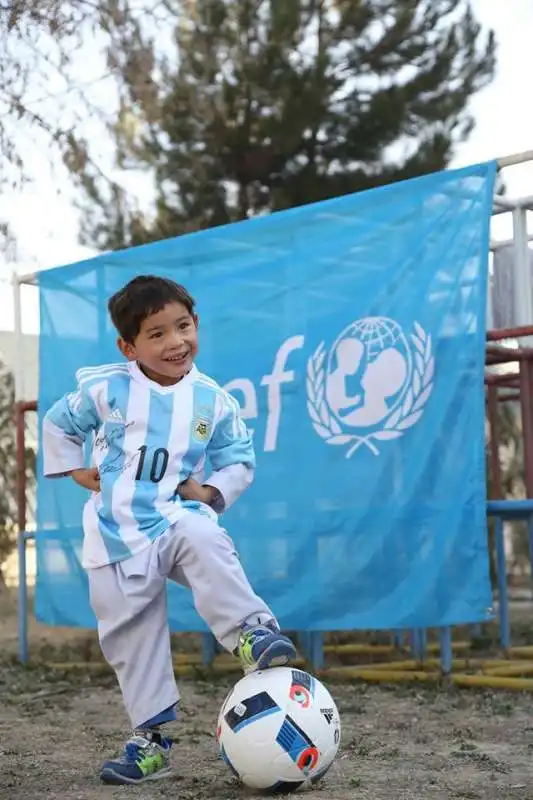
x: 129, y: 601
x: 198, y: 553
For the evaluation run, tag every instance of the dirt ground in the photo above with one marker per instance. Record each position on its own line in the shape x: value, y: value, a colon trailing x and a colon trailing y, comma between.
x: 398, y: 743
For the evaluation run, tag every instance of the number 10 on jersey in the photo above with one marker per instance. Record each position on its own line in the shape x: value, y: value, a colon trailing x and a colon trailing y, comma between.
x: 153, y: 465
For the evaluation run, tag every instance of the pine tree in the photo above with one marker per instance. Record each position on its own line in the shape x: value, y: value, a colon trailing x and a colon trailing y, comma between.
x: 268, y: 104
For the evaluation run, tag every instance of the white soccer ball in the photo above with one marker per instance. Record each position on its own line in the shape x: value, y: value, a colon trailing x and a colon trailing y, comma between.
x: 279, y: 730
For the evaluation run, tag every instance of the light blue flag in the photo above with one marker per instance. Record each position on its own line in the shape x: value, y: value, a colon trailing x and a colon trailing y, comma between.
x: 352, y: 332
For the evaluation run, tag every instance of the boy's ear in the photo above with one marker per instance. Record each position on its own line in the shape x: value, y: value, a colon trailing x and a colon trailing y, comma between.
x: 127, y: 349
x: 196, y: 320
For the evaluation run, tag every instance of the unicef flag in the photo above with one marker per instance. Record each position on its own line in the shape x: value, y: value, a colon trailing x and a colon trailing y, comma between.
x: 352, y: 334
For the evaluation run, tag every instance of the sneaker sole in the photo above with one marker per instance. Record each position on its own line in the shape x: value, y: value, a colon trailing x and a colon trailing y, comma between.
x: 114, y: 778
x: 277, y: 655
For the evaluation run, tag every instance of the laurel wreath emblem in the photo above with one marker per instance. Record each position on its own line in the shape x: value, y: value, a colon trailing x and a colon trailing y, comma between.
x: 403, y: 418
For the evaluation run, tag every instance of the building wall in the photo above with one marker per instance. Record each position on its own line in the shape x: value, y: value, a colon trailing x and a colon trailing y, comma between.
x: 29, y: 358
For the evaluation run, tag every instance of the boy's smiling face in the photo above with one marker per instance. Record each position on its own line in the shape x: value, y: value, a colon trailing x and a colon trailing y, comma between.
x: 166, y: 344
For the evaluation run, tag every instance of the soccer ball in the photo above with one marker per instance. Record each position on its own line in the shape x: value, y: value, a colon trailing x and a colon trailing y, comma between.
x: 278, y: 730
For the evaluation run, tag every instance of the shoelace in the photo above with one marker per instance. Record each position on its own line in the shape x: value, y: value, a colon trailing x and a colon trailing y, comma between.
x: 132, y: 752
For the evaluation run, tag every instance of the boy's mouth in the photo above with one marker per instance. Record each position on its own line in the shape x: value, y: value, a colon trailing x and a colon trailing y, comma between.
x: 178, y: 359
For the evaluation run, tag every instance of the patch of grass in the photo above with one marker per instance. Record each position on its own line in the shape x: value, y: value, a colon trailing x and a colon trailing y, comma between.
x: 468, y: 747
x: 392, y: 753
x: 482, y: 760
x: 500, y: 705
x: 351, y: 708
x: 462, y: 733
x: 359, y: 747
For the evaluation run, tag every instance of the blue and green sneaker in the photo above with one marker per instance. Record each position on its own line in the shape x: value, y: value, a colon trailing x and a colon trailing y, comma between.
x: 263, y: 646
x: 145, y: 758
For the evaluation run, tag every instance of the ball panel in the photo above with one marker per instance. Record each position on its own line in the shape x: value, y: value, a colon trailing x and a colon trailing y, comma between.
x: 297, y: 745
x: 283, y: 787
x: 227, y: 762
x: 250, y: 710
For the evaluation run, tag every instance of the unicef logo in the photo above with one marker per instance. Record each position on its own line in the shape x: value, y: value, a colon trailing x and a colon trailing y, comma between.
x: 372, y: 385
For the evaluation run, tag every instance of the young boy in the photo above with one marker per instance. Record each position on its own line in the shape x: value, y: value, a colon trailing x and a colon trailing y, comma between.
x: 155, y: 422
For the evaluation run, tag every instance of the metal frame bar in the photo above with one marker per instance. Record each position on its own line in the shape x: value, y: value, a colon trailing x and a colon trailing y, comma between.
x: 312, y: 641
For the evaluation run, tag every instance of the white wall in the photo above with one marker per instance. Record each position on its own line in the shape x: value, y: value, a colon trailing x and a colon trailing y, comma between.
x: 29, y: 358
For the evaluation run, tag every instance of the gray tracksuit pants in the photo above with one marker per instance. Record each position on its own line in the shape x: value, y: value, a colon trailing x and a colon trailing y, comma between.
x: 130, y: 604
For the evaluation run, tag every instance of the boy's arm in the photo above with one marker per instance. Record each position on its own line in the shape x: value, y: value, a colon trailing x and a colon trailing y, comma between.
x: 65, y: 427
x: 231, y: 454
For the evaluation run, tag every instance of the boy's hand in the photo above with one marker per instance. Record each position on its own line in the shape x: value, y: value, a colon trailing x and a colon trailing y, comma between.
x: 192, y: 490
x: 88, y: 478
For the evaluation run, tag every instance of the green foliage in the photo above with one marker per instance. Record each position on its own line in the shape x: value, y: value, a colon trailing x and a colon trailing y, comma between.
x: 232, y: 108
x: 261, y: 105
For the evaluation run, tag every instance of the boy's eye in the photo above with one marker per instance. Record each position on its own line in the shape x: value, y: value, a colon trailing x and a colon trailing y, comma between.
x: 184, y: 325
x: 156, y: 335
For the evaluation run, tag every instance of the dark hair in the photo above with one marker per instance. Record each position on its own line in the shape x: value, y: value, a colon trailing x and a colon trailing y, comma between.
x: 142, y: 296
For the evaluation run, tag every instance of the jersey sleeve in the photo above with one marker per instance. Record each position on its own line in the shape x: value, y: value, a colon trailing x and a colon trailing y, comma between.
x: 66, y: 426
x: 230, y: 453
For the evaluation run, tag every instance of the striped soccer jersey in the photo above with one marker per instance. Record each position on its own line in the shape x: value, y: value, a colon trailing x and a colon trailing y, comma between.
x: 145, y: 439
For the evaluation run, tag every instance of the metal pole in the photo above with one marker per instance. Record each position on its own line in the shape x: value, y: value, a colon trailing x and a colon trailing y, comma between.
x: 505, y: 628
x: 494, y: 445
x: 523, y: 293
x: 21, y: 476
x: 518, y: 332
x: 446, y: 653
x: 22, y: 609
x: 530, y: 540
x: 501, y: 204
x: 499, y: 243
x: 526, y: 203
x: 29, y: 278
x: 527, y: 423
x: 19, y: 361
x: 21, y: 465
x: 514, y: 158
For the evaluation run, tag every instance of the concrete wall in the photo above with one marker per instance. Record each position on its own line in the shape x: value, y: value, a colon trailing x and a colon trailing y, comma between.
x: 29, y: 358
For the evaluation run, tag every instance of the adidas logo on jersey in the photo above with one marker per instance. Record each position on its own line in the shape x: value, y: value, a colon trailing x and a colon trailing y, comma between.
x: 116, y: 416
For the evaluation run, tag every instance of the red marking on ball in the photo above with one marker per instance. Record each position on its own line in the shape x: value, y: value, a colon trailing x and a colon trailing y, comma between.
x: 308, y: 759
x: 300, y: 695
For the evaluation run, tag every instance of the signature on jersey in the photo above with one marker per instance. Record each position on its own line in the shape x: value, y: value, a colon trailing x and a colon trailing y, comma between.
x: 117, y: 465
x: 104, y: 440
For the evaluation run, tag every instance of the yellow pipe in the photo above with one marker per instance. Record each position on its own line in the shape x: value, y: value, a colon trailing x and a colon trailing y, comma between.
x: 472, y: 663
x: 457, y: 647
x: 395, y: 676
x: 195, y: 659
x: 187, y: 658
x: 367, y: 674
x: 81, y: 665
x: 493, y: 682
x: 379, y: 675
x: 409, y: 664
x: 486, y: 665
x: 222, y: 664
x: 511, y: 668
x: 219, y: 666
x: 434, y: 663
x: 359, y: 649
x: 375, y: 649
x: 525, y: 651
x: 227, y: 662
x: 194, y: 671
